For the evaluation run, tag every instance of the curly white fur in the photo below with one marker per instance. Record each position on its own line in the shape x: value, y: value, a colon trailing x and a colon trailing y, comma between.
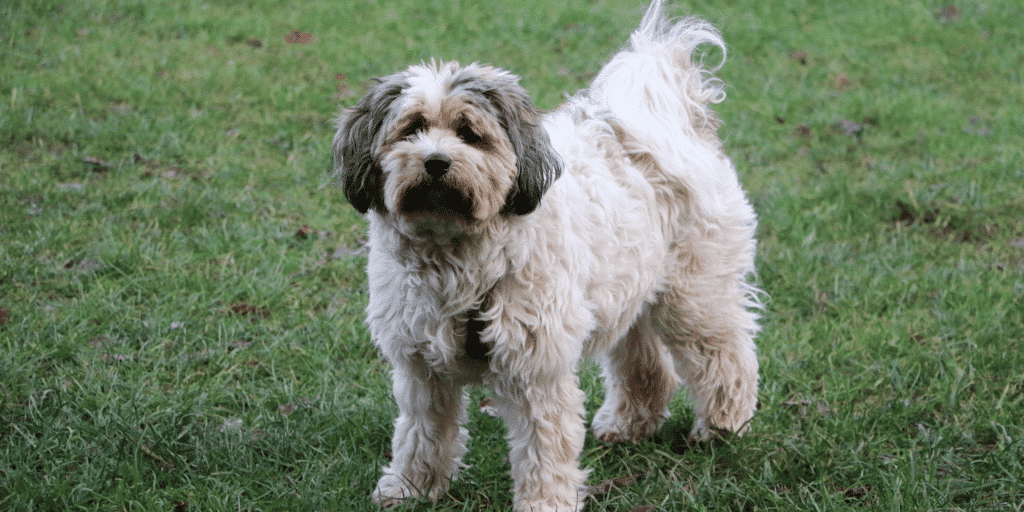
x: 613, y: 228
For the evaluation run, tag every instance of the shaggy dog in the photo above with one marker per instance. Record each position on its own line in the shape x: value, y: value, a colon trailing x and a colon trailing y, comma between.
x: 506, y: 245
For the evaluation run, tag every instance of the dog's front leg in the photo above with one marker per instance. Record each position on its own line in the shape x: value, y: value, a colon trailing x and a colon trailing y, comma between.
x: 429, y: 442
x: 545, y: 433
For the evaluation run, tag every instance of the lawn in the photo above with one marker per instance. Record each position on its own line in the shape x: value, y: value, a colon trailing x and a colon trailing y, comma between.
x: 181, y: 283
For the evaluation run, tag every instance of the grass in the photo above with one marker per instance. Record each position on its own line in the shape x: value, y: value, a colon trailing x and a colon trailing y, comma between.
x: 181, y: 287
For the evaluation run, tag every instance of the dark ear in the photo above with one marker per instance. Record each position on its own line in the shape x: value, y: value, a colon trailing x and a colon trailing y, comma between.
x: 355, y: 142
x: 537, y: 162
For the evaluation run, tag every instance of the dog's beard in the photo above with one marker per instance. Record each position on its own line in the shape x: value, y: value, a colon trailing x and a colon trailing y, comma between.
x: 433, y: 197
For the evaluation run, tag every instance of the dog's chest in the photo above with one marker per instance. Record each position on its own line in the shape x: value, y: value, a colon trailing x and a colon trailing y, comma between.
x: 444, y: 324
x: 456, y: 349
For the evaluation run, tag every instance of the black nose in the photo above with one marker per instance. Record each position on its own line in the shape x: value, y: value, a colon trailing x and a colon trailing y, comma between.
x: 437, y: 164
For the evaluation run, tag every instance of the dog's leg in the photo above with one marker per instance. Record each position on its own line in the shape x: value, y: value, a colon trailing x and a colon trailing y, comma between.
x: 429, y: 442
x: 639, y: 382
x: 545, y: 433
x: 709, y: 331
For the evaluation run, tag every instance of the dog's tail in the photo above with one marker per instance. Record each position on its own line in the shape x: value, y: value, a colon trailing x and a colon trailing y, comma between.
x: 656, y: 98
x: 654, y: 77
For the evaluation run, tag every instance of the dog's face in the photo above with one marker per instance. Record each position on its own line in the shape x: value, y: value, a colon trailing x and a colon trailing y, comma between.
x: 445, y: 141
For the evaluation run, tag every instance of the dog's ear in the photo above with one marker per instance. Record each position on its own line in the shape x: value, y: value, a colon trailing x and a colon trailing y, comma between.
x: 356, y: 141
x: 537, y: 163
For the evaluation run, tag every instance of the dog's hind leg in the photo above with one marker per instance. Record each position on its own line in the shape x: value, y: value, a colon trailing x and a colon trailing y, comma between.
x: 639, y: 382
x: 709, y: 331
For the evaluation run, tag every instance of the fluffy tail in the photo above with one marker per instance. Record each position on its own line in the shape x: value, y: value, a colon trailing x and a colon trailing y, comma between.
x: 654, y: 77
x: 656, y: 99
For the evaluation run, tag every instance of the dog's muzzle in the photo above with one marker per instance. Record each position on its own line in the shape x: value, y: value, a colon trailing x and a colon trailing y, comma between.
x: 436, y: 195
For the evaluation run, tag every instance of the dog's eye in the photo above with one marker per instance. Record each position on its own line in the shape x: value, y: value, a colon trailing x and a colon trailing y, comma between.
x: 412, y: 128
x: 468, y: 135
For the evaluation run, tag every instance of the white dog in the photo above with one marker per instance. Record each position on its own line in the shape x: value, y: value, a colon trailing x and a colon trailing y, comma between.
x: 506, y: 245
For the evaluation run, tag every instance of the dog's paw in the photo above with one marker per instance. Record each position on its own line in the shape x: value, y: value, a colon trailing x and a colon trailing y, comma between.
x: 551, y: 505
x: 609, y: 427
x: 702, y: 433
x: 391, y: 491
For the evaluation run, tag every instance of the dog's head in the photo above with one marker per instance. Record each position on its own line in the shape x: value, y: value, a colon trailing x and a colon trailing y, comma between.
x: 446, y: 141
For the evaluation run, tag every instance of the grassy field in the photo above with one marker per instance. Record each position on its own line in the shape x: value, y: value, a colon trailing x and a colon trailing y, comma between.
x: 181, y: 285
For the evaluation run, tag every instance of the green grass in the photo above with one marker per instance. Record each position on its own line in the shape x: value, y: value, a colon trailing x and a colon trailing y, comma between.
x: 181, y: 294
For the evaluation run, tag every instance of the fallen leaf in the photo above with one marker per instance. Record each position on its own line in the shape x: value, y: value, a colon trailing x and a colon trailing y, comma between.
x: 840, y: 81
x: 246, y: 309
x: 255, y: 43
x: 643, y: 508
x: 799, y: 56
x: 5, y: 315
x: 949, y: 13
x: 298, y: 37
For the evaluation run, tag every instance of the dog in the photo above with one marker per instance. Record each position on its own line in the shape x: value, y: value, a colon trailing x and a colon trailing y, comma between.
x: 506, y: 245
